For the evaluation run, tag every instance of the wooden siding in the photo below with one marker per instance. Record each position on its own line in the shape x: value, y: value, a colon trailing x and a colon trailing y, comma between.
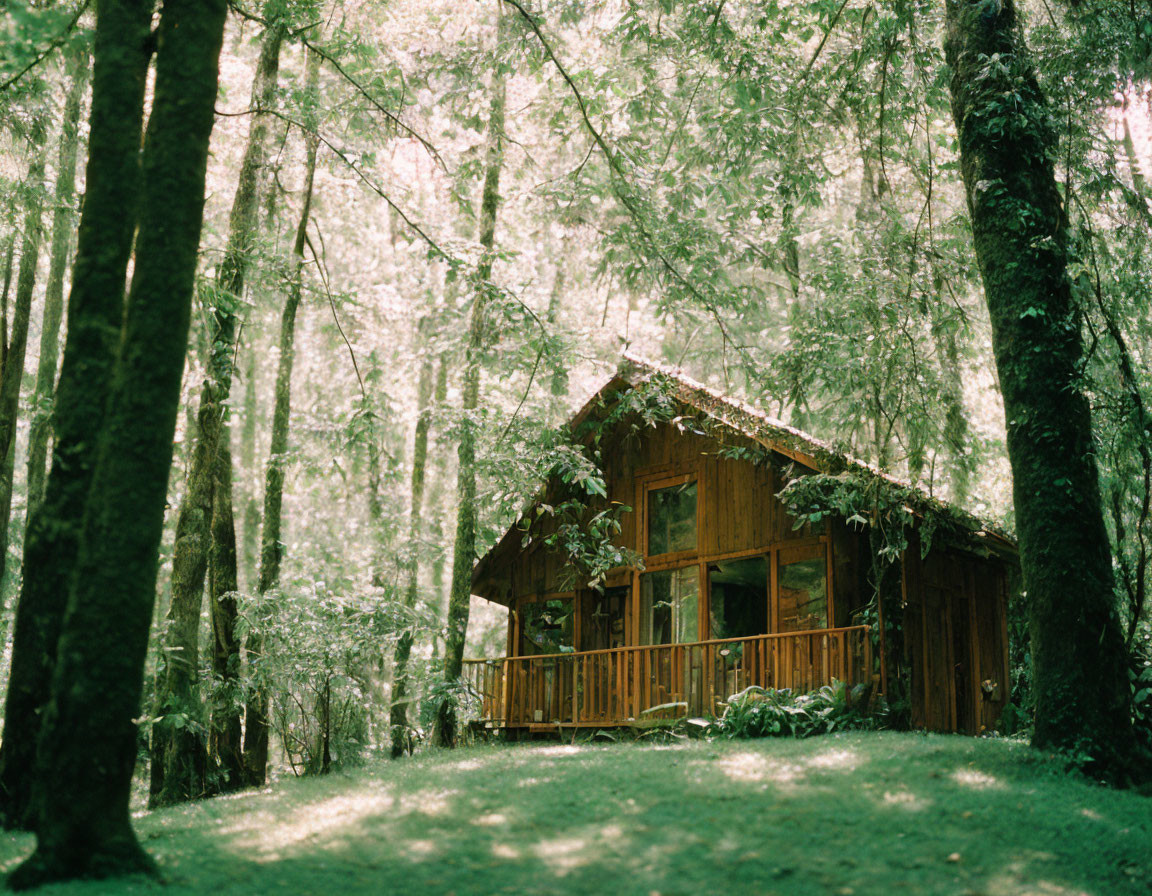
x: 956, y: 639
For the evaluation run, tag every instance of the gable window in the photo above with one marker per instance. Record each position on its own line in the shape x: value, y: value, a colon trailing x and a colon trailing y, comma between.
x: 671, y: 515
x: 669, y: 601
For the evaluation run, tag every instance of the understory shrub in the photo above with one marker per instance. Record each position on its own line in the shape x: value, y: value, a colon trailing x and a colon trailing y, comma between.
x: 767, y: 712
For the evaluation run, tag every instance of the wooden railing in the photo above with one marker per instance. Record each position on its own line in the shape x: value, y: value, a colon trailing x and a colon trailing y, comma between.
x: 607, y: 687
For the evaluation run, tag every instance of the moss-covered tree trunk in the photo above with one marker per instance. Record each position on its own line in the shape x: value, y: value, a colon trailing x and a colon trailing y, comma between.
x: 1020, y: 232
x: 225, y: 747
x: 435, y: 513
x: 88, y: 739
x: 398, y: 718
x: 63, y: 224
x: 464, y: 548
x: 94, y: 313
x: 12, y: 369
x: 271, y: 541
x: 250, y: 515
x: 178, y: 750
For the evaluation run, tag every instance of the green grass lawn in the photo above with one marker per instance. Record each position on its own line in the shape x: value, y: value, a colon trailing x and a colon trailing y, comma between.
x: 855, y: 813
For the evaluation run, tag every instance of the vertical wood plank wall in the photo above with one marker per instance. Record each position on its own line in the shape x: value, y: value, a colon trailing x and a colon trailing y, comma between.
x: 955, y: 625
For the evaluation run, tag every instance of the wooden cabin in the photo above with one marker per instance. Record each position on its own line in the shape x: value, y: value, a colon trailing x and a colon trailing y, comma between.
x: 728, y: 590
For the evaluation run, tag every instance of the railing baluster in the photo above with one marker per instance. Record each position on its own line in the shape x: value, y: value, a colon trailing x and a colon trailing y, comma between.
x: 619, y: 683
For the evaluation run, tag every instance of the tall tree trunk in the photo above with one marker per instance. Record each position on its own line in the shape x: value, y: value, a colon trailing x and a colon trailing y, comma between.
x: 250, y: 520
x: 12, y: 371
x: 558, y: 384
x: 88, y: 740
x: 9, y: 260
x: 435, y: 511
x: 398, y: 718
x: 271, y: 544
x: 1020, y: 231
x: 459, y: 599
x: 226, y: 755
x: 178, y: 751
x: 63, y: 216
x: 95, y: 313
x: 957, y: 440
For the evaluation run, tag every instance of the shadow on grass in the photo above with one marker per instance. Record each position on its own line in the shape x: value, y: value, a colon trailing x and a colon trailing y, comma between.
x: 859, y: 813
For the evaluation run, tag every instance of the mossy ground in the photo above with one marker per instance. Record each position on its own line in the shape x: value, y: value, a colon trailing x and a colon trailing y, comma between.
x: 856, y: 813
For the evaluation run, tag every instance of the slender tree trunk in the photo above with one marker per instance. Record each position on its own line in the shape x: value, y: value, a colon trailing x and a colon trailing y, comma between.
x: 459, y: 599
x: 1020, y: 230
x: 271, y: 544
x: 9, y: 260
x: 178, y: 751
x: 398, y: 718
x: 95, y: 312
x: 558, y: 384
x: 250, y: 524
x: 1139, y: 184
x: 88, y: 740
x: 63, y: 216
x: 957, y: 440
x: 226, y: 754
x: 12, y: 371
x: 435, y: 511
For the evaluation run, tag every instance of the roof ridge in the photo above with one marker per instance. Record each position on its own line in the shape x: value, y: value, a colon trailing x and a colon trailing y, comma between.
x: 645, y: 366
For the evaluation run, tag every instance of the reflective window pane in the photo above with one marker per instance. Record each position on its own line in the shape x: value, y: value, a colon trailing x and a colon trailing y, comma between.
x: 672, y: 519
x: 668, y: 606
x: 803, y: 595
x: 738, y: 598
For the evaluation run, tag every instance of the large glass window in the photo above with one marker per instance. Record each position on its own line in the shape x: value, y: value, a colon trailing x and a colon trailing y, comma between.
x: 803, y: 590
x: 668, y: 606
x: 547, y: 626
x: 672, y: 519
x: 738, y: 598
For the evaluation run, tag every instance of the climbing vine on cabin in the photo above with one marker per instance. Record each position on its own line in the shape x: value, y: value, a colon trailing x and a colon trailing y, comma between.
x: 585, y: 521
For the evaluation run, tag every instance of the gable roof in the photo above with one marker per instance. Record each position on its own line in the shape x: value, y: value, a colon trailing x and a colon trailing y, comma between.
x: 763, y: 429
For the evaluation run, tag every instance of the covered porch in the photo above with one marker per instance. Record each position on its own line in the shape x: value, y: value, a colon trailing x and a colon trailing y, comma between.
x: 622, y: 685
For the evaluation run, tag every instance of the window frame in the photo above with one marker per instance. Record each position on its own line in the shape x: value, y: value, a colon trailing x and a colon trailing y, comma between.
x: 656, y: 482
x: 813, y: 546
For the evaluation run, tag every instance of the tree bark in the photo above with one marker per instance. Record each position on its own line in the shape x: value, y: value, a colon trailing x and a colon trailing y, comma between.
x: 88, y: 741
x: 398, y: 717
x: 63, y: 216
x: 95, y: 312
x: 460, y: 595
x: 12, y: 371
x: 435, y: 510
x: 178, y: 751
x: 271, y: 543
x: 250, y: 520
x: 226, y: 754
x: 1019, y: 226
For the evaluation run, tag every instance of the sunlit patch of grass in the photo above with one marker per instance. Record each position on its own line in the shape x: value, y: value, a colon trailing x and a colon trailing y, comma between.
x: 837, y: 759
x: 905, y: 799
x: 751, y: 767
x: 976, y: 779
